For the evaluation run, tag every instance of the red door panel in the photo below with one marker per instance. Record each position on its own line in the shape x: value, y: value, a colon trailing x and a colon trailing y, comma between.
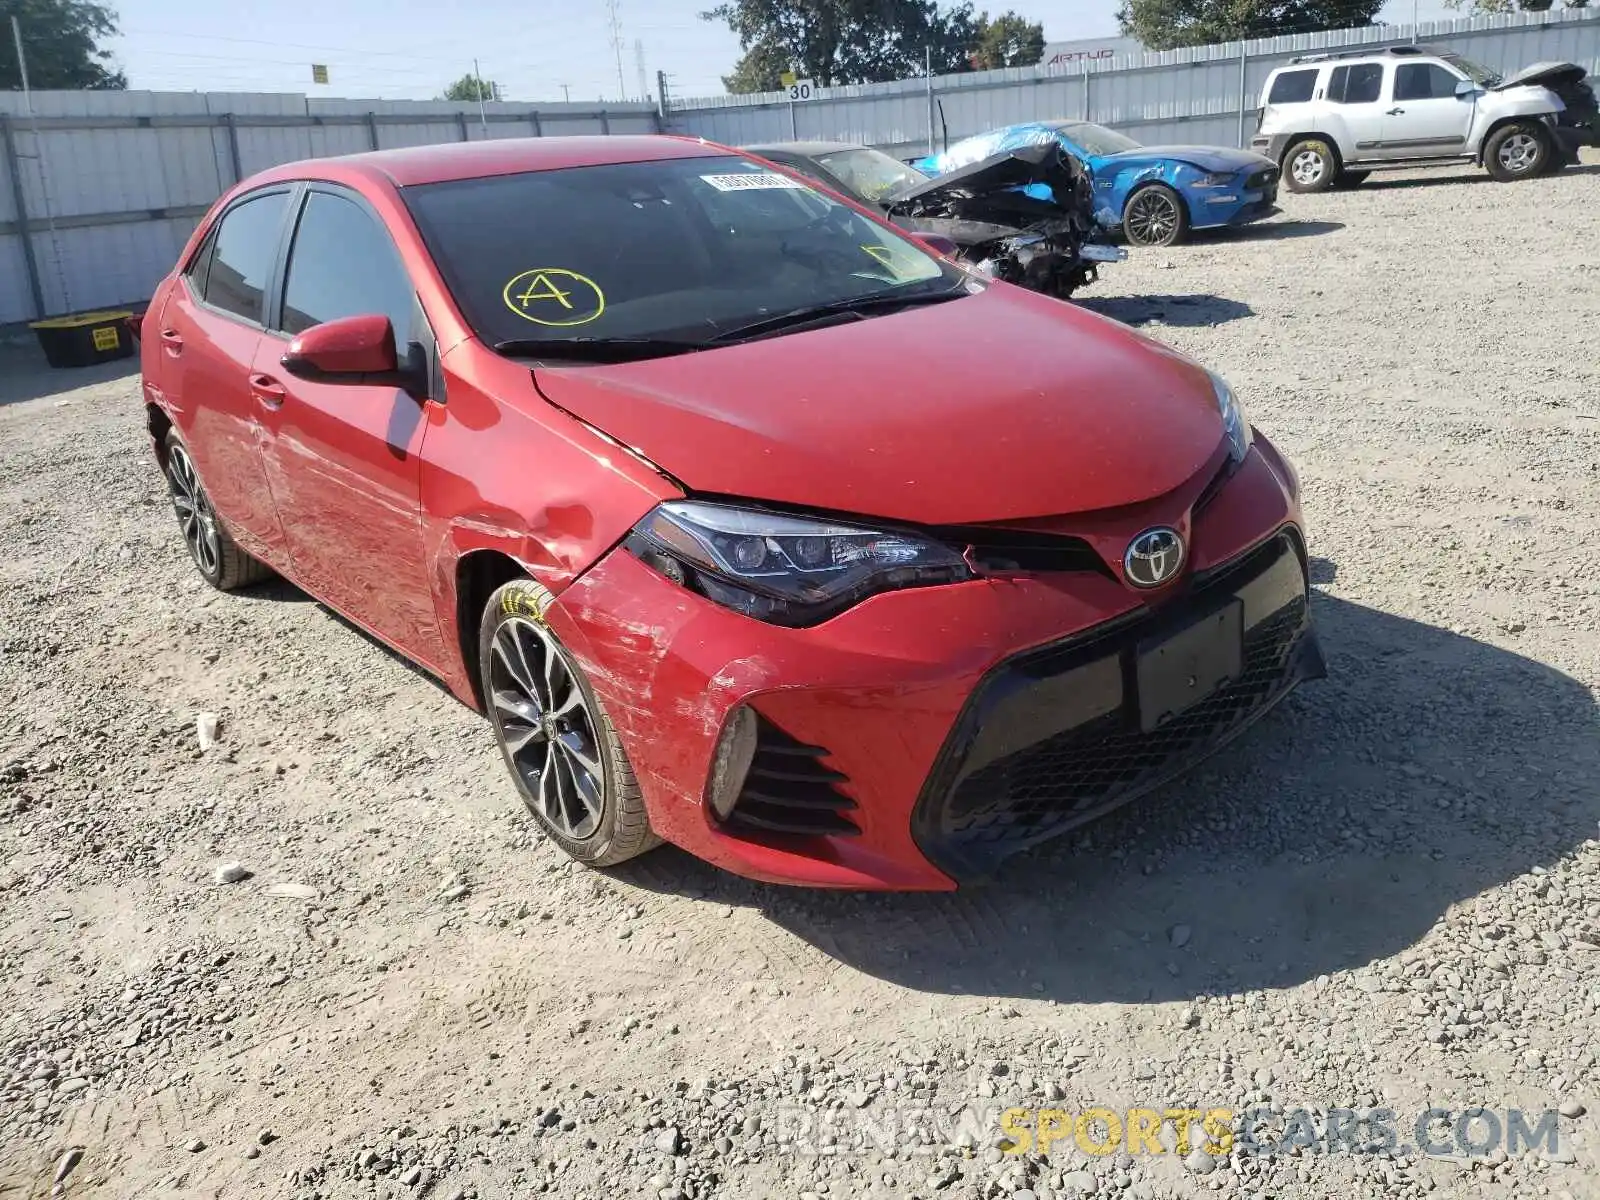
x: 345, y: 469
x: 206, y: 380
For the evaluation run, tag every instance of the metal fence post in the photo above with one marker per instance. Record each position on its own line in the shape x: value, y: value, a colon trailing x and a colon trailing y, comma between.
x: 372, y: 130
x: 538, y: 125
x: 1086, y: 115
x: 1243, y: 59
x: 461, y: 125
x: 15, y: 170
x: 233, y: 146
x: 605, y: 122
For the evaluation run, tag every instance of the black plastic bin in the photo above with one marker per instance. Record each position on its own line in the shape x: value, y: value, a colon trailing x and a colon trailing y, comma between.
x: 82, y: 339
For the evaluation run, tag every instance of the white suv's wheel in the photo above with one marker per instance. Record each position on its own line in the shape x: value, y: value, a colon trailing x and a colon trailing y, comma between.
x: 1310, y: 166
x: 1517, y: 151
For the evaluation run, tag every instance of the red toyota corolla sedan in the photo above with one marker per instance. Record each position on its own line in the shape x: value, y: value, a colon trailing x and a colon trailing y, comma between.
x: 750, y: 522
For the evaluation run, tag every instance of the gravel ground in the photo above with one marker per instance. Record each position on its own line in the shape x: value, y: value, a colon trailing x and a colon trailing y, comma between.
x: 1387, y: 897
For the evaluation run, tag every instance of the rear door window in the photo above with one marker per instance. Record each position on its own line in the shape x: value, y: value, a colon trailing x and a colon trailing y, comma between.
x: 1293, y: 87
x: 1359, y: 83
x: 246, y: 249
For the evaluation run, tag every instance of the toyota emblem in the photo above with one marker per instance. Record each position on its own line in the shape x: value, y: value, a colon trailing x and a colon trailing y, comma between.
x: 1154, y: 557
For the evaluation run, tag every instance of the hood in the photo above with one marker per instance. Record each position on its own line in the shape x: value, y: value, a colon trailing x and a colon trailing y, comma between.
x: 998, y: 406
x: 1545, y: 74
x: 1207, y: 158
x: 1008, y: 169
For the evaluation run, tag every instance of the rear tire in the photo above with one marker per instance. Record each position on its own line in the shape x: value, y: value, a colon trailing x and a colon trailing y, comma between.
x: 1349, y: 179
x: 558, y: 743
x: 1310, y: 165
x: 1520, y: 150
x: 216, y: 556
x: 1155, y: 216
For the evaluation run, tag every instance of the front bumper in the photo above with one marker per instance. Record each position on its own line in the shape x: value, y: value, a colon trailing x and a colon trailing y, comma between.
x: 1052, y: 738
x: 903, y: 717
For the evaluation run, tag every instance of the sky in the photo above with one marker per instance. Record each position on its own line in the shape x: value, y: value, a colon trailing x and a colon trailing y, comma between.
x: 412, y: 49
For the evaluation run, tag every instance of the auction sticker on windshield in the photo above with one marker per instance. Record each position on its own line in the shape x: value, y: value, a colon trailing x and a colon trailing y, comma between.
x: 554, y: 296
x: 752, y: 181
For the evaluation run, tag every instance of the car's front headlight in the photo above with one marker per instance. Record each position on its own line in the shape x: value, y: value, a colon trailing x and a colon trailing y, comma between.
x: 1215, y: 179
x: 1233, y: 420
x: 786, y: 570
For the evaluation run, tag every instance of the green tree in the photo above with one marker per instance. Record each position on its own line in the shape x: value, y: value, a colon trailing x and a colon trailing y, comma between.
x: 1166, y: 24
x: 471, y: 88
x: 1007, y: 41
x: 844, y: 41
x: 61, y: 40
x: 760, y: 69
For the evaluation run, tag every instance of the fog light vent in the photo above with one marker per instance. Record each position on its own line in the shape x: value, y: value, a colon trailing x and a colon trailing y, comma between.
x: 783, y: 786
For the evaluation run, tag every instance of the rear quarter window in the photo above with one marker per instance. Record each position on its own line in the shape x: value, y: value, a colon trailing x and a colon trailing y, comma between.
x: 1293, y: 87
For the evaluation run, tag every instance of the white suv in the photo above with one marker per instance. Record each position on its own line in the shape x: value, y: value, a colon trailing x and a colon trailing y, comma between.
x: 1331, y: 119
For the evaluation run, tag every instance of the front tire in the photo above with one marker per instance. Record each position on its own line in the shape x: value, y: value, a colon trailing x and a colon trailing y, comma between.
x: 1155, y: 216
x: 1520, y: 150
x: 557, y: 742
x: 217, y: 557
x: 1311, y: 165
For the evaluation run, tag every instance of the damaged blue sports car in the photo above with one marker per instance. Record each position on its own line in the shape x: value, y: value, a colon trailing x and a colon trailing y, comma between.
x: 1155, y: 194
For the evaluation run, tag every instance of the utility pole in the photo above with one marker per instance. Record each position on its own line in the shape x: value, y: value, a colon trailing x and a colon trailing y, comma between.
x: 477, y: 86
x: 615, y: 21
x: 927, y: 59
x: 566, y: 94
x: 661, y: 97
x: 44, y: 180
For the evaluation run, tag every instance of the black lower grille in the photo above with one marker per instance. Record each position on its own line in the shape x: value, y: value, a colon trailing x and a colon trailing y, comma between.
x: 789, y: 790
x: 1264, y: 178
x: 1053, y: 738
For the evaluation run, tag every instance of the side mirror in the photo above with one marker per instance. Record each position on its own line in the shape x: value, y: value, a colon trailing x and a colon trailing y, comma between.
x: 1465, y: 87
x: 355, y: 350
x: 938, y: 243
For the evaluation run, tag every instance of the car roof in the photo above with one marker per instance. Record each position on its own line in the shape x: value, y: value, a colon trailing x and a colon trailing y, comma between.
x: 416, y: 165
x: 803, y: 149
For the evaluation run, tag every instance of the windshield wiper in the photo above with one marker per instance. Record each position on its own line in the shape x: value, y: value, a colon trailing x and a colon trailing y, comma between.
x: 856, y: 306
x: 598, y: 349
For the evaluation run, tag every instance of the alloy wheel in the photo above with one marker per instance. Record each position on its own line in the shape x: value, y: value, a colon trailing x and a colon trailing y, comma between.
x: 1519, y: 153
x: 1307, y: 168
x: 195, y: 515
x: 546, y: 726
x: 1152, y: 217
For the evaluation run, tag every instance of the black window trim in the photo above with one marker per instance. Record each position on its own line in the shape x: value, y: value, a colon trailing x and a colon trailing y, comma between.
x: 280, y: 280
x: 274, y: 269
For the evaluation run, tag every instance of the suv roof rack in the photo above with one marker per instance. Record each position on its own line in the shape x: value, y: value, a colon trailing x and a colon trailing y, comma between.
x: 1371, y: 53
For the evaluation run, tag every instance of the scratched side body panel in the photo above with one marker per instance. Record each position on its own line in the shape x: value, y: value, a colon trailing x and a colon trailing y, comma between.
x: 506, y: 471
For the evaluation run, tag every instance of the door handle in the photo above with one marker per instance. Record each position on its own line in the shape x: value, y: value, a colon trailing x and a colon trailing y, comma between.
x: 267, y: 391
x: 1394, y: 112
x: 173, y: 341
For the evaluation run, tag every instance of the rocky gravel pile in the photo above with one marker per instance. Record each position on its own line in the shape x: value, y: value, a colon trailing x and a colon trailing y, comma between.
x: 272, y: 924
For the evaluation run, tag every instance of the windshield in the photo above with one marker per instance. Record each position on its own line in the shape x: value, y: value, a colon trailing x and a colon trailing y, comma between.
x: 1477, y: 72
x: 1097, y: 139
x: 871, y: 173
x: 675, y: 249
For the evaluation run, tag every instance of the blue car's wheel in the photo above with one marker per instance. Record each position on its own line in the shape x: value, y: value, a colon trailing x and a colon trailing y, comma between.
x: 1155, y: 216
